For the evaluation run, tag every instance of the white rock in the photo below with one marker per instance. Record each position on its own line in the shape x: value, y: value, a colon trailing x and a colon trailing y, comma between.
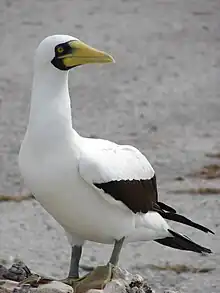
x: 55, y: 285
x: 52, y: 287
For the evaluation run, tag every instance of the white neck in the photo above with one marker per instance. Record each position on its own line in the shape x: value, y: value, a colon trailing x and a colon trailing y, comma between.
x: 50, y: 113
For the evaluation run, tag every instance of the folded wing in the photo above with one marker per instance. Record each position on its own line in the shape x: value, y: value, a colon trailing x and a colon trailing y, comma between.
x: 126, y: 176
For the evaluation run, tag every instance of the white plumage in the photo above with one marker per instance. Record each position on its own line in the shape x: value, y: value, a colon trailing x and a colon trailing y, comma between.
x: 60, y: 167
x: 95, y: 189
x: 104, y: 161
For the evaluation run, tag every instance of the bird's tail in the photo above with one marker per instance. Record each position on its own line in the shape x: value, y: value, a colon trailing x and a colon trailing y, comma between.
x: 181, y: 219
x: 182, y: 242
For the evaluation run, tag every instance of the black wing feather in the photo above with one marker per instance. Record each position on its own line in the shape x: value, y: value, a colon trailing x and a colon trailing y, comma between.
x: 141, y: 196
x: 137, y: 195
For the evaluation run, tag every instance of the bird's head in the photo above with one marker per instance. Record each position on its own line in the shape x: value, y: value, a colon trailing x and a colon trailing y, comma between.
x: 65, y: 52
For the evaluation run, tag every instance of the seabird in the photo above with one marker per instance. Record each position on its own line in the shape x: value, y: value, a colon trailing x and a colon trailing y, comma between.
x: 96, y: 189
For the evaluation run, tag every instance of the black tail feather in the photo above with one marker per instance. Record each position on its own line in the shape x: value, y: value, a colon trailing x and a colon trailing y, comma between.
x: 165, y: 207
x: 181, y: 242
x: 181, y: 219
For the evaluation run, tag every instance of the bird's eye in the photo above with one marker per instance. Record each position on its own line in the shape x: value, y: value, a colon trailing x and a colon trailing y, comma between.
x: 60, y: 50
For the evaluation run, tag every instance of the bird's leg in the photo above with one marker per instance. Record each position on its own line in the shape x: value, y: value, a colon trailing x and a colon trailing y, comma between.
x: 116, y: 251
x: 74, y: 263
x: 73, y: 276
x: 101, y: 275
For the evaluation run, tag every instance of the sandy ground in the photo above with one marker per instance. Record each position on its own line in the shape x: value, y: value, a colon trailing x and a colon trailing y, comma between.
x: 162, y: 95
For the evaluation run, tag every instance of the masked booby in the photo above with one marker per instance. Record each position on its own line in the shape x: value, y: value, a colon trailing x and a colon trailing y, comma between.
x: 96, y: 189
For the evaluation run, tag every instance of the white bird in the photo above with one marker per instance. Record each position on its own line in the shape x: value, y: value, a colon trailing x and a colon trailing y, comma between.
x: 96, y: 190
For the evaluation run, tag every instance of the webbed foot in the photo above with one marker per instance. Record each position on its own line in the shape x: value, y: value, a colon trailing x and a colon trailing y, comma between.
x: 97, y: 279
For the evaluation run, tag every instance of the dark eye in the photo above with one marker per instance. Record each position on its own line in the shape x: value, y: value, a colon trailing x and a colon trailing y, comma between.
x: 60, y: 50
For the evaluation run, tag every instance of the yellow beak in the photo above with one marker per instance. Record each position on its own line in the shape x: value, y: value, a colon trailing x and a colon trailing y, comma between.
x: 83, y: 54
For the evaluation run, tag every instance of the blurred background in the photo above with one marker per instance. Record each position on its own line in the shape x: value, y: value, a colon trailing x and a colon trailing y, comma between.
x: 162, y: 96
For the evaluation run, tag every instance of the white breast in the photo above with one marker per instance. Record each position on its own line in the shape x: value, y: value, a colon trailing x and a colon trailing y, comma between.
x: 75, y: 205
